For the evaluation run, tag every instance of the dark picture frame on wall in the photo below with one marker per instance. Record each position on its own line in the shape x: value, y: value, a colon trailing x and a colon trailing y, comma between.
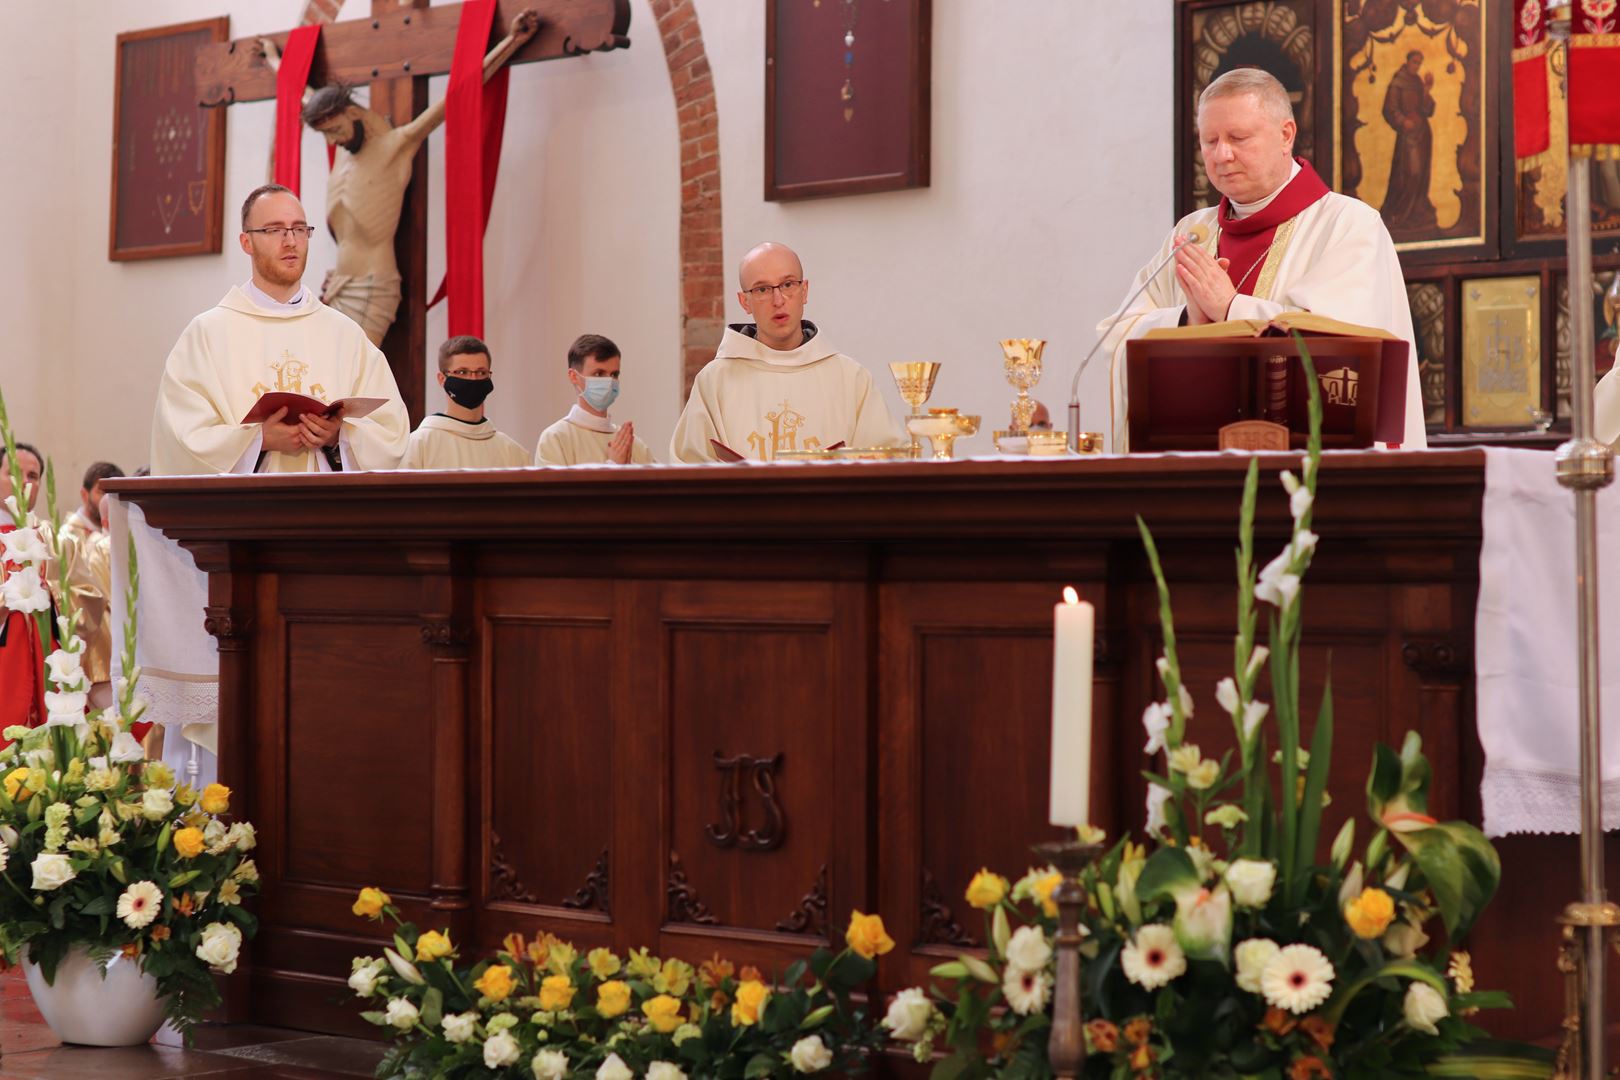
x: 168, y: 162
x: 847, y: 96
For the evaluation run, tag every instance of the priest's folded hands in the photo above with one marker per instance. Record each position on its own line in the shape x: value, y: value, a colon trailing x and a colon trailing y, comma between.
x: 1204, y: 279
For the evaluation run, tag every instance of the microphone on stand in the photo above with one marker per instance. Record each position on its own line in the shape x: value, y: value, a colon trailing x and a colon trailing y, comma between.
x: 1196, y: 234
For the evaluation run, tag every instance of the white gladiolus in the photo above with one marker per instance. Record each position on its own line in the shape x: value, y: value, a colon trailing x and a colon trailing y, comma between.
x: 126, y: 749
x: 1423, y: 1006
x: 401, y: 1014
x: 1253, y: 713
x: 23, y: 547
x: 1185, y: 697
x: 65, y: 708
x: 1300, y: 502
x: 1226, y: 695
x: 809, y: 1055
x: 66, y: 670
x: 1157, y: 796
x: 1156, y: 721
x: 909, y: 1014
x: 1251, y: 882
x: 1256, y: 658
x: 1290, y: 482
x: 1303, y: 543
x: 501, y: 1050
x: 24, y: 591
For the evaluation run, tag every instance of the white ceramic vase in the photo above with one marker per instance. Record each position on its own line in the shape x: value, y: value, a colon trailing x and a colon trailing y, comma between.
x: 123, y: 1009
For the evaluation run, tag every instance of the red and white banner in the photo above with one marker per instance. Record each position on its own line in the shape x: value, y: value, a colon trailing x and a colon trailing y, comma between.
x: 1594, y: 76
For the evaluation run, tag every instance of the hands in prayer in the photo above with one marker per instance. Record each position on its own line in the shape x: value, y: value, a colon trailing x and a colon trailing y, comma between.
x: 311, y: 431
x: 622, y: 443
x: 1204, y: 279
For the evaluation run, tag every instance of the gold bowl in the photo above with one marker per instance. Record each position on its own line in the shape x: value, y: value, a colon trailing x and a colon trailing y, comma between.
x: 942, y: 427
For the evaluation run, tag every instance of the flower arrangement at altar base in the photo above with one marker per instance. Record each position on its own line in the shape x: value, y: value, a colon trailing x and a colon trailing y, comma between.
x: 1221, y: 946
x: 545, y: 1010
x: 99, y: 847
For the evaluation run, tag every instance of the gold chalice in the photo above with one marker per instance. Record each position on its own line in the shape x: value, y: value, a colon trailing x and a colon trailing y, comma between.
x: 942, y: 427
x: 1023, y: 367
x: 916, y: 383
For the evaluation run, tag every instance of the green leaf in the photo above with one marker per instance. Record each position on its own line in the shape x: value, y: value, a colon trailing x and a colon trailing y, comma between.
x: 1316, y: 775
x: 759, y: 1066
x: 104, y: 904
x: 1169, y: 872
x: 1461, y: 867
x: 1399, y: 784
x: 432, y: 1007
x: 1397, y: 969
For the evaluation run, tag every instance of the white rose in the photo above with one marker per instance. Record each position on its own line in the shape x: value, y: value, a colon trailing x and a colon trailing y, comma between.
x: 550, y: 1065
x: 1251, y: 882
x: 1251, y: 957
x: 809, y: 1055
x: 156, y: 804
x: 1028, y: 950
x: 909, y: 1014
x: 459, y: 1027
x: 1423, y: 1006
x: 52, y: 871
x: 665, y: 1070
x: 500, y: 1050
x: 242, y: 836
x: 221, y: 944
x: 126, y: 749
x: 614, y: 1068
x: 363, y: 981
x: 401, y: 1014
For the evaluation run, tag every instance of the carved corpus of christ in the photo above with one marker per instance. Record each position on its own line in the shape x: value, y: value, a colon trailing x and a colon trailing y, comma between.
x: 366, y: 190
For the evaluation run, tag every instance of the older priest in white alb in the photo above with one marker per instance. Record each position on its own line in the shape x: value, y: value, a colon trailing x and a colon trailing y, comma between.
x: 272, y: 333
x: 778, y: 384
x: 1278, y: 241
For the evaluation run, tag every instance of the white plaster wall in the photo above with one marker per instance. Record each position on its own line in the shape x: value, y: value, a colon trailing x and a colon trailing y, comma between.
x: 1051, y: 183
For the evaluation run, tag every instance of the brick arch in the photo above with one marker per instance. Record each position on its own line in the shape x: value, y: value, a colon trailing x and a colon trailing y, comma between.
x: 703, y: 289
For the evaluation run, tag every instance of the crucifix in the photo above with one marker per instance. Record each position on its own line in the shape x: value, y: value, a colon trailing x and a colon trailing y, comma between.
x: 397, y: 50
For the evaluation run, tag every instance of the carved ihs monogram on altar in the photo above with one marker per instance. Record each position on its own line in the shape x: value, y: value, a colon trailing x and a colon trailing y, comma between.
x: 289, y: 373
x: 784, y: 426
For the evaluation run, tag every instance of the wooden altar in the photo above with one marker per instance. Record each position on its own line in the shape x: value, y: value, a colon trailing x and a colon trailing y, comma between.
x: 715, y: 709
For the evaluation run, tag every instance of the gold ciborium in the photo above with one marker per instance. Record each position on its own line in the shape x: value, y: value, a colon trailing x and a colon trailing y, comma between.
x: 1023, y: 367
x: 942, y: 427
x: 916, y: 383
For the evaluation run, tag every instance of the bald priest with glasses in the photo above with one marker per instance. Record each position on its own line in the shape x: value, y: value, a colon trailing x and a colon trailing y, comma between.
x: 777, y: 383
x: 273, y: 333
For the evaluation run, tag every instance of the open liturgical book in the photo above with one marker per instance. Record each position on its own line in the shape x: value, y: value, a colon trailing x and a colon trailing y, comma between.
x: 1362, y: 372
x: 299, y: 404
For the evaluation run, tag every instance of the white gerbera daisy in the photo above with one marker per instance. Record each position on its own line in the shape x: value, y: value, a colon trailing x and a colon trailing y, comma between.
x: 1153, y: 957
x: 140, y: 904
x: 1298, y: 978
x: 1026, y: 991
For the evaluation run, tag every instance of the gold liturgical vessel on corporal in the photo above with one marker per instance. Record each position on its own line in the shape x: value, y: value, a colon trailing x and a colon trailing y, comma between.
x: 942, y: 427
x: 915, y: 381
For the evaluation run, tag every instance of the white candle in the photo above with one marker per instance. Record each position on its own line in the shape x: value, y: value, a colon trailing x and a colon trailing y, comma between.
x: 1072, y: 623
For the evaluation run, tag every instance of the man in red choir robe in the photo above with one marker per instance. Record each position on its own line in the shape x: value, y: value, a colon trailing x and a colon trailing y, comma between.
x: 1278, y: 241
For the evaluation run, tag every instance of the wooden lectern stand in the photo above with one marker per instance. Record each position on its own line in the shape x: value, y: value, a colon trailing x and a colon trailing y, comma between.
x: 1209, y: 387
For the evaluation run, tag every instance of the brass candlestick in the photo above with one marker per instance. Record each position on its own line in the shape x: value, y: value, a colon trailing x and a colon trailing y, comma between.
x: 1023, y: 368
x: 1066, y: 1046
x: 915, y: 381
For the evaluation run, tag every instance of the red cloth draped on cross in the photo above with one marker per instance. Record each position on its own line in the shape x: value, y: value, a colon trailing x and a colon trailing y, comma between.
x: 1594, y: 72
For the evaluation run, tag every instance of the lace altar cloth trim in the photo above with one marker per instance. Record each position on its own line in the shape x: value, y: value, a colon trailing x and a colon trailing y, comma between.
x: 1527, y: 801
x: 176, y: 700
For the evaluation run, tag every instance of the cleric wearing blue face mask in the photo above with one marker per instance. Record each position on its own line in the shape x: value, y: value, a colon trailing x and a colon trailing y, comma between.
x: 586, y: 436
x: 461, y: 437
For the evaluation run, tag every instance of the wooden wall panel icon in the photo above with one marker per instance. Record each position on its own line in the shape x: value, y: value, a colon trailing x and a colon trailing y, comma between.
x: 1501, y: 355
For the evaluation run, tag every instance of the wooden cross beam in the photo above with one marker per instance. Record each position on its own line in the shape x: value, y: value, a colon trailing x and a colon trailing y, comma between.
x: 396, y: 50
x: 408, y: 42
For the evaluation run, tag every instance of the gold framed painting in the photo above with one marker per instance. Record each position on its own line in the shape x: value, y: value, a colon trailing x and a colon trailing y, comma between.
x: 1412, y: 136
x: 1501, y: 352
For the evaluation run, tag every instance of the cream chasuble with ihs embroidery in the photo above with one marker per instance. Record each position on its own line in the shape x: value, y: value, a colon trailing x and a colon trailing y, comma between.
x: 759, y: 401
x: 233, y: 353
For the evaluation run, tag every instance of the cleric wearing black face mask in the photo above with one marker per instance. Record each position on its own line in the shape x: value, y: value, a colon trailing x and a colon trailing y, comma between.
x: 461, y: 437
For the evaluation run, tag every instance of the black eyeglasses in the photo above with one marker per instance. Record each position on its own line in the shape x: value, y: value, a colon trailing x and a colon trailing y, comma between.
x: 281, y: 232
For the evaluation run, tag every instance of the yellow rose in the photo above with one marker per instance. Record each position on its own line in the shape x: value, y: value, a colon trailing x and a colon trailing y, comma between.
x: 15, y: 779
x: 432, y: 946
x: 556, y: 993
x: 1043, y: 889
x: 1370, y: 914
x: 216, y: 799
x: 495, y: 983
x: 750, y: 1003
x: 663, y: 1013
x: 612, y: 998
x: 189, y: 843
x: 370, y: 903
x: 604, y: 965
x: 986, y: 889
x: 867, y: 936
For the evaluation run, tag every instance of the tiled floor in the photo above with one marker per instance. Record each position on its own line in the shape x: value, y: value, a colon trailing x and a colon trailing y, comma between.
x: 28, y: 1051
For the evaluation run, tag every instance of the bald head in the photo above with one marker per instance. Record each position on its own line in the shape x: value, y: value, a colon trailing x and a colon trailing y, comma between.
x: 770, y: 262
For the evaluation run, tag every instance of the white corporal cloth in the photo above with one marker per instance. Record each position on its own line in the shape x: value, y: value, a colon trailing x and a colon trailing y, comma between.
x: 177, y: 657
x: 1526, y: 654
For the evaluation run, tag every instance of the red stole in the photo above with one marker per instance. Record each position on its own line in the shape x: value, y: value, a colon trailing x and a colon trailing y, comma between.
x: 1246, y: 241
x: 22, y: 691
